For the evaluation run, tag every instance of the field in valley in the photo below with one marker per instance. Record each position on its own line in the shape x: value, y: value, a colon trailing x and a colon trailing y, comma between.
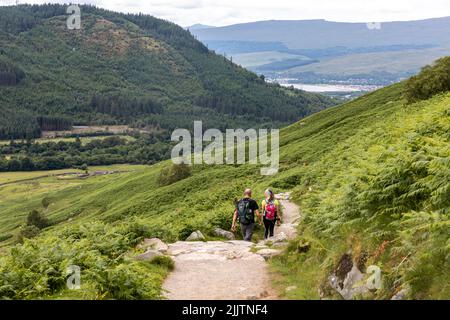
x: 21, y: 192
x: 84, y: 140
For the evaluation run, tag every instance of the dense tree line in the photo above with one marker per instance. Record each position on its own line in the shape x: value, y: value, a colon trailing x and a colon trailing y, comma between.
x: 123, y: 107
x: 17, y: 19
x: 32, y: 156
x: 17, y: 124
x: 168, y: 87
x: 236, y: 106
x: 10, y: 75
x: 48, y: 123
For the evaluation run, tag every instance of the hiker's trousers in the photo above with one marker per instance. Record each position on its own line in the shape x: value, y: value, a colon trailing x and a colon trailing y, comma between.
x: 269, y: 228
x: 247, y: 231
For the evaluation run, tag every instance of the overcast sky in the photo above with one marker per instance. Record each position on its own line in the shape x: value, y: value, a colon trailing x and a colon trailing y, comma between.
x: 225, y: 12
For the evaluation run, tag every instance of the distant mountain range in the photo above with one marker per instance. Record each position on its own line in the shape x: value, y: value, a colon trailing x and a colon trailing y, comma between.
x: 199, y: 27
x: 325, y: 51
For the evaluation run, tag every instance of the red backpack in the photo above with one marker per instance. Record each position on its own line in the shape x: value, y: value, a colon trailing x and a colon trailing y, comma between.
x: 270, y: 211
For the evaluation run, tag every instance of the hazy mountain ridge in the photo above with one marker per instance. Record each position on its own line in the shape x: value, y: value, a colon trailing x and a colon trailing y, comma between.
x: 325, y: 43
x: 322, y: 34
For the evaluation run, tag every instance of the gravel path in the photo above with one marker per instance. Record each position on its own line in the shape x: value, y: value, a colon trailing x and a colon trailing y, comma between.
x: 226, y: 270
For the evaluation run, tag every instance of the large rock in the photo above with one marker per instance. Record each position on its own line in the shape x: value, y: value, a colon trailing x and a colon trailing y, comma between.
x: 277, y: 240
x: 148, y: 255
x: 224, y: 234
x: 269, y: 253
x: 281, y: 237
x: 196, y: 236
x: 353, y: 284
x: 155, y: 244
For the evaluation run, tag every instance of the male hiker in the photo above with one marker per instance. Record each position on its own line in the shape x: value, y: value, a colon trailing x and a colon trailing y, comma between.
x: 246, y: 209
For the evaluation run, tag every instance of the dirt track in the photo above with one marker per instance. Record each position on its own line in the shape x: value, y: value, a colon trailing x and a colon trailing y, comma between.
x: 224, y: 270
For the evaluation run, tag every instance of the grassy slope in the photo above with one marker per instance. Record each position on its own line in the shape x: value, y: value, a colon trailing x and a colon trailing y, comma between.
x: 377, y: 172
x: 332, y: 161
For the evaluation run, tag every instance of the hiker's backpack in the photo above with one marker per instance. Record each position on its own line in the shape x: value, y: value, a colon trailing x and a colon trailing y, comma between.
x: 270, y: 211
x: 246, y: 215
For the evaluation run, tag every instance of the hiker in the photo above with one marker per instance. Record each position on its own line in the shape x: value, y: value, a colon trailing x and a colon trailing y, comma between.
x: 245, y: 211
x: 270, y: 208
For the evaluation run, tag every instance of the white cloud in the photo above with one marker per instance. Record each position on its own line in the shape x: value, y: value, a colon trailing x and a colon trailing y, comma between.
x: 224, y: 12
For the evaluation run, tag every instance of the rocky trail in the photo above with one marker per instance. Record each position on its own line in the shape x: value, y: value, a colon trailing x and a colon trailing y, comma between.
x: 227, y: 270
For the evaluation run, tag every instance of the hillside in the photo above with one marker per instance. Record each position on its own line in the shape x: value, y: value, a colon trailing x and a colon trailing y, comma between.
x: 319, y: 51
x: 371, y: 177
x: 125, y: 69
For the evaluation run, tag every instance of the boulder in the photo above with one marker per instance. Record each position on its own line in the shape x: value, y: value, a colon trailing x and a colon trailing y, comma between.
x: 269, y: 253
x: 353, y: 284
x: 224, y: 234
x: 148, y: 255
x: 155, y: 244
x: 281, y: 237
x: 196, y: 236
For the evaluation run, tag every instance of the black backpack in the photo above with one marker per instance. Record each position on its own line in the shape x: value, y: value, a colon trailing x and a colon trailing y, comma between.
x: 246, y: 215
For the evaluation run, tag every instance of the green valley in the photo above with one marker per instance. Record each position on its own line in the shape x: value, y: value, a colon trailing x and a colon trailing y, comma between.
x: 124, y: 69
x: 372, y: 178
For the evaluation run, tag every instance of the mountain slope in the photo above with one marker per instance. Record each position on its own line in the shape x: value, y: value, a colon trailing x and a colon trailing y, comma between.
x: 126, y: 69
x: 371, y: 177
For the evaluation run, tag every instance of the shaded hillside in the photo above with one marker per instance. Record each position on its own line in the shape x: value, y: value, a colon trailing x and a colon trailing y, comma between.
x: 163, y: 76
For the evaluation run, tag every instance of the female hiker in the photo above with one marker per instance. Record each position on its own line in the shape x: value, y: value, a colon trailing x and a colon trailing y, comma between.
x: 271, y: 213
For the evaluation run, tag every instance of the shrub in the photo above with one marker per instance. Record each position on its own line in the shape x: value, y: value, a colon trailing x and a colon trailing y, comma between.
x: 187, y: 230
x: 84, y: 167
x: 125, y: 282
x: 430, y: 81
x: 163, y: 261
x: 46, y: 203
x: 175, y: 173
x: 5, y: 237
x: 38, y: 267
x: 28, y: 232
x: 37, y: 219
